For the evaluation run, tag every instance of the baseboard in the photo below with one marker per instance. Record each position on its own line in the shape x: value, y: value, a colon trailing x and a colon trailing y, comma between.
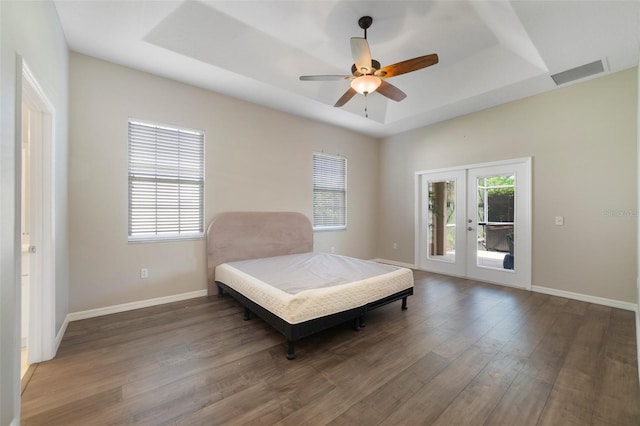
x: 587, y: 298
x: 60, y: 334
x: 561, y: 293
x: 394, y: 263
x: 92, y: 313
x: 638, y: 340
x: 638, y: 323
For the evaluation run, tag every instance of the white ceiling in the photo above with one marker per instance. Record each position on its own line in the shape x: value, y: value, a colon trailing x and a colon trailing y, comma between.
x: 491, y: 52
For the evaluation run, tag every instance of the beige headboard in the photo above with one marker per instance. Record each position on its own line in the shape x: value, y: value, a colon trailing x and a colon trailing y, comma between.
x: 235, y: 236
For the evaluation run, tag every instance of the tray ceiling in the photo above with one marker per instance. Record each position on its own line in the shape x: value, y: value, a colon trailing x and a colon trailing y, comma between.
x: 491, y: 52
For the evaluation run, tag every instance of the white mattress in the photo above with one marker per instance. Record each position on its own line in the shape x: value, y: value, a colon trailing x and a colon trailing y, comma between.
x: 302, y: 287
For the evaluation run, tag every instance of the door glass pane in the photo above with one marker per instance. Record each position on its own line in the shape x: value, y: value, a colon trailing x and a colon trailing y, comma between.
x: 496, y: 202
x: 442, y: 220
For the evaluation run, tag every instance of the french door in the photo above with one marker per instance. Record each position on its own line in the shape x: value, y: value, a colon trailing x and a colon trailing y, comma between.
x: 475, y: 222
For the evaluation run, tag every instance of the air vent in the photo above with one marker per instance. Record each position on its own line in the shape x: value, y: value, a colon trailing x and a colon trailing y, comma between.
x: 578, y: 72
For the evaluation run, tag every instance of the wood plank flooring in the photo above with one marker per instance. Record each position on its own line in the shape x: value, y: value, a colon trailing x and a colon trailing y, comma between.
x: 465, y: 353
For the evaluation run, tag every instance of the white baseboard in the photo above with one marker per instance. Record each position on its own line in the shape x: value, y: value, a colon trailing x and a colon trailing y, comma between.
x: 393, y: 262
x: 91, y: 313
x: 566, y: 294
x: 587, y: 298
x: 638, y: 340
x: 60, y: 334
x: 638, y: 325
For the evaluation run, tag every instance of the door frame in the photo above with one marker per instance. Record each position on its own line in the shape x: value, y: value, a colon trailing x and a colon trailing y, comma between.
x: 526, y: 245
x: 41, y: 336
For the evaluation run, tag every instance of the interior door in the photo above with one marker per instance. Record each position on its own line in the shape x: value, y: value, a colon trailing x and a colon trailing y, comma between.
x: 498, y: 224
x: 442, y: 247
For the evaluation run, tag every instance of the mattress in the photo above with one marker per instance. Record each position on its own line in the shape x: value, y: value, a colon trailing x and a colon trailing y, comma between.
x: 302, y: 287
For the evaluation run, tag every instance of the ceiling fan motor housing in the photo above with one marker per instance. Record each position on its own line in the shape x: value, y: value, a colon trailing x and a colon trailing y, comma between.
x: 375, y: 65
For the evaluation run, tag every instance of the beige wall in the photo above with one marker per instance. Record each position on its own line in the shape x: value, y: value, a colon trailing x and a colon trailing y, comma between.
x: 256, y: 159
x: 30, y: 29
x: 583, y: 142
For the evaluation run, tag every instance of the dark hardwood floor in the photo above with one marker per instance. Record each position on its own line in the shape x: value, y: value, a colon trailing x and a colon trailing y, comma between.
x: 464, y: 353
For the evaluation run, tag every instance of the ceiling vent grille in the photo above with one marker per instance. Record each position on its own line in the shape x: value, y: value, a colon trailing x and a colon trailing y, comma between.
x: 578, y: 72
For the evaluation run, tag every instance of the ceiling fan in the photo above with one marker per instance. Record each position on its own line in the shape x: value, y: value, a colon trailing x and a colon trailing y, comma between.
x: 366, y: 74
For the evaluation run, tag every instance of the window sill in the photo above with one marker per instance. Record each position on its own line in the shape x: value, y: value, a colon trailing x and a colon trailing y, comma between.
x: 329, y: 228
x: 163, y: 239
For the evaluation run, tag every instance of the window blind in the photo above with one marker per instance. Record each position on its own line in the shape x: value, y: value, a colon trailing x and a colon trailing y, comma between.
x: 329, y: 191
x: 166, y: 182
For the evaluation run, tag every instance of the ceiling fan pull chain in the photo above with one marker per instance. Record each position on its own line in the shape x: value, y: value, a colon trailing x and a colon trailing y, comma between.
x: 366, y: 110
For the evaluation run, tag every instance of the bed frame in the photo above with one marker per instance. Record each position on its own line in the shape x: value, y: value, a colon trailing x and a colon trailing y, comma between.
x: 234, y: 236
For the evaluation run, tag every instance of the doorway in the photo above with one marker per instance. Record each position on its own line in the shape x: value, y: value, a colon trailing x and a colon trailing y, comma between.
x: 475, y: 222
x: 25, y: 222
x: 38, y: 251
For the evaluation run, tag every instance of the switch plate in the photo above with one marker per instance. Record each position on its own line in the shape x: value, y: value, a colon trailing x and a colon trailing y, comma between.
x: 559, y: 220
x: 144, y: 273
x: 395, y: 246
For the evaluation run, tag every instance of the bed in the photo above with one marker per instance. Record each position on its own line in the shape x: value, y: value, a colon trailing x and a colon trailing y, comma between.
x: 265, y: 260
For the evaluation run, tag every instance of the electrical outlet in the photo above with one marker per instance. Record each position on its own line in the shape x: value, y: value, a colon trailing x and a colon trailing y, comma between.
x: 559, y: 220
x: 333, y: 249
x: 395, y: 246
x: 144, y: 273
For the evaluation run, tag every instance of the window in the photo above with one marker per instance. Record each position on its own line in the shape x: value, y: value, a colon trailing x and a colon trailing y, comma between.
x: 329, y: 192
x: 166, y: 182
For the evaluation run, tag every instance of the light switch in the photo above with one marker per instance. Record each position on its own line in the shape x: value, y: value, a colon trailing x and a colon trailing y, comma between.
x: 559, y: 220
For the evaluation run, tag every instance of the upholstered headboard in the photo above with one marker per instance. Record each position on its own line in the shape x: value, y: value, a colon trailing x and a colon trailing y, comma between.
x: 235, y: 236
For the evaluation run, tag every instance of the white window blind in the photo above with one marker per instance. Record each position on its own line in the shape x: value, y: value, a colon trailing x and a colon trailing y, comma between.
x: 329, y: 191
x: 166, y: 182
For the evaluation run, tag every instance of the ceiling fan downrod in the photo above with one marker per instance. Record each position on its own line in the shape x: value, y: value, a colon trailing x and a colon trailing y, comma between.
x: 364, y: 23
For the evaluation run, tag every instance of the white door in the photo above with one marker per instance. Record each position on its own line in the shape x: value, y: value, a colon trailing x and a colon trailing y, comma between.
x: 475, y: 222
x: 38, y: 126
x: 498, y: 224
x: 443, y: 198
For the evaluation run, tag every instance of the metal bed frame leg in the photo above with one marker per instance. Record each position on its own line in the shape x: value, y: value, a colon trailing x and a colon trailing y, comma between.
x: 356, y: 324
x: 404, y: 303
x: 220, y: 292
x: 291, y: 350
x: 247, y: 314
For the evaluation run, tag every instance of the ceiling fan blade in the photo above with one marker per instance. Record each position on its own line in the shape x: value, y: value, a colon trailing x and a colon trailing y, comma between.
x: 409, y: 65
x: 361, y: 54
x: 346, y: 97
x: 391, y: 91
x: 324, y: 77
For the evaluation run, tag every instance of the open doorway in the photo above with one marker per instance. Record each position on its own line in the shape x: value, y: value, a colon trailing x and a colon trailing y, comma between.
x: 36, y: 181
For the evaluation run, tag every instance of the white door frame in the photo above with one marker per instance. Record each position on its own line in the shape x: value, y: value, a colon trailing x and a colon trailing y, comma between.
x: 525, y: 238
x: 41, y: 336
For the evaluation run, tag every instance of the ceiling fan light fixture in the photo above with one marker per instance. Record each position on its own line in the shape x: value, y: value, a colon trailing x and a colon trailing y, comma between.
x: 366, y: 84
x: 366, y: 73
